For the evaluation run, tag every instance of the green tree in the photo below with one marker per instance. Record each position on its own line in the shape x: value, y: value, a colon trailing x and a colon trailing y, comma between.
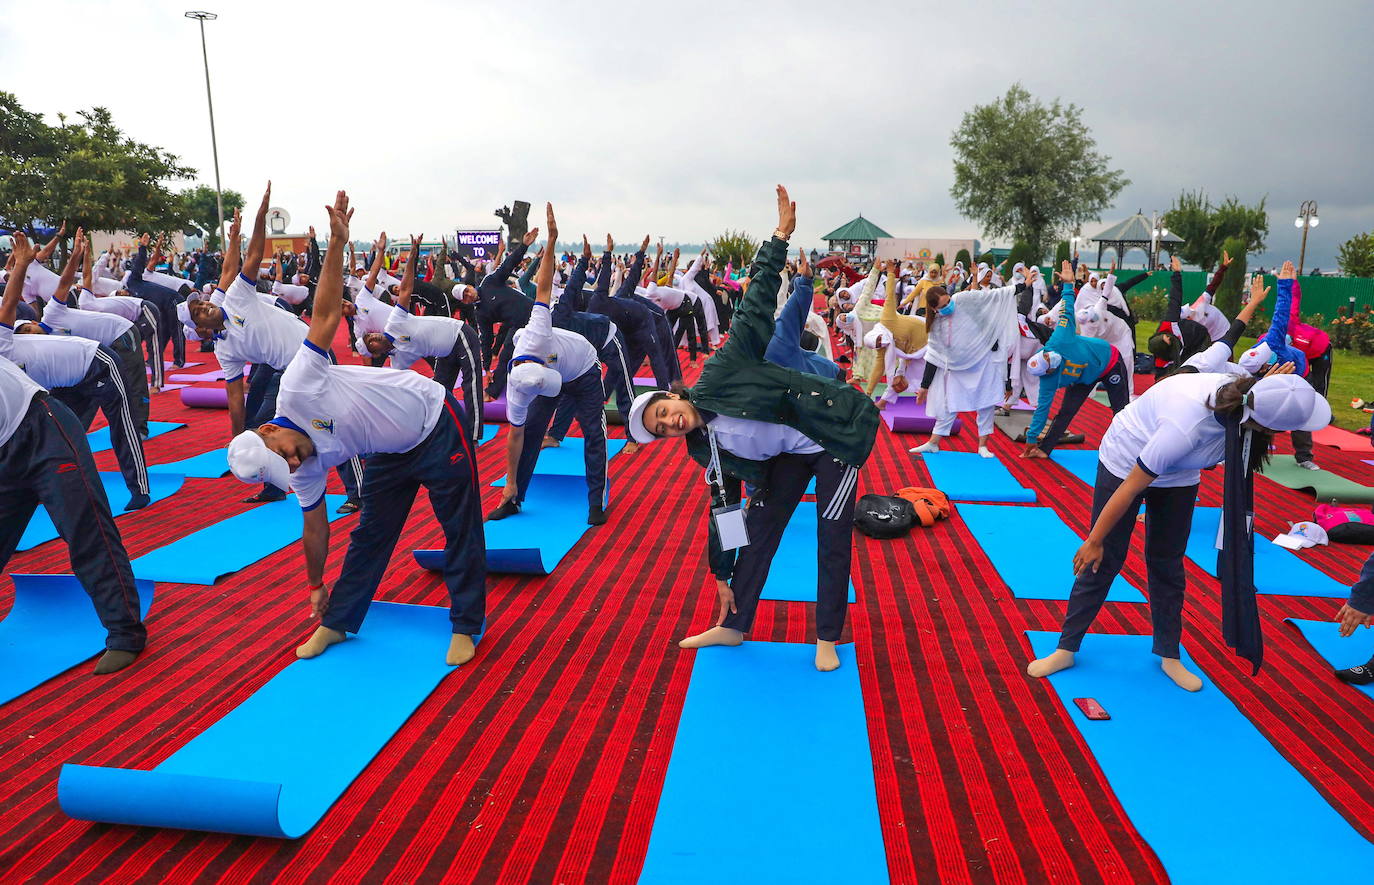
x: 963, y: 256
x: 199, y: 205
x: 1061, y: 253
x: 87, y: 172
x: 1028, y: 170
x: 1229, y: 292
x: 733, y: 247
x: 1356, y: 256
x: 940, y: 259
x: 1020, y: 251
x: 1205, y: 227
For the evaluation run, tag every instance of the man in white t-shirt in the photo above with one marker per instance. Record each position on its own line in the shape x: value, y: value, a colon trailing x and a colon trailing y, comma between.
x: 551, y: 365
x: 44, y: 458
x: 252, y: 330
x: 453, y: 345
x: 410, y: 430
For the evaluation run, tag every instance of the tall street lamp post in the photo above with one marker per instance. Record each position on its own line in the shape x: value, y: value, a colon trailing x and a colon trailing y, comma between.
x: 203, y: 17
x: 1307, y: 219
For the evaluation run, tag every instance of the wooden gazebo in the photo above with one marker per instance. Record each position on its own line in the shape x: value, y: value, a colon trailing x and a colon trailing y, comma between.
x: 1133, y: 233
x: 858, y: 238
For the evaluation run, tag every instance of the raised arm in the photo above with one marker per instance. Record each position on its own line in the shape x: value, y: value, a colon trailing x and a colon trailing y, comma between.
x: 603, y: 271
x: 627, y: 286
x: 22, y: 255
x: 64, y: 282
x: 403, y: 292
x: 507, y: 266
x: 1218, y: 276
x: 257, y: 243
x: 378, y: 259
x: 46, y: 252
x: 232, y: 255
x: 752, y: 326
x: 88, y: 270
x: 1277, y: 336
x: 543, y: 281
x: 1174, y: 311
x: 324, y: 320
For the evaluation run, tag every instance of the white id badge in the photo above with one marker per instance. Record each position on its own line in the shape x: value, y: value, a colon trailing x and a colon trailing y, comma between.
x: 730, y: 528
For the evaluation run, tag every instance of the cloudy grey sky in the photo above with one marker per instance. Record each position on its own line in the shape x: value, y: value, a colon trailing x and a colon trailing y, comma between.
x: 678, y: 122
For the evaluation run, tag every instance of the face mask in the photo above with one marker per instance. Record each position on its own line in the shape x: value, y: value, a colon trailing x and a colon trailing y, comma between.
x: 947, y: 310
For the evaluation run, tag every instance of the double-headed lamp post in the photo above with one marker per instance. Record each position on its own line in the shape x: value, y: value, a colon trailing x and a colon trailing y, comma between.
x: 203, y: 17
x: 1157, y: 232
x: 1307, y: 219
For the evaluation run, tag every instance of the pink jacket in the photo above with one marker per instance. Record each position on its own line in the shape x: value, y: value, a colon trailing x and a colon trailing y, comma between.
x: 1313, y: 342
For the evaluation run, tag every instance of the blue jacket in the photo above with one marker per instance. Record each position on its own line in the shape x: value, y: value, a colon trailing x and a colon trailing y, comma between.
x: 1085, y: 361
x: 785, y: 348
x: 1277, y: 336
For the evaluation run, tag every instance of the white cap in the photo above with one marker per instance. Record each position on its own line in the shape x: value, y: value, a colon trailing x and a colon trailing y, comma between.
x: 1303, y: 535
x: 879, y: 337
x: 1043, y: 361
x: 1256, y: 358
x: 534, y: 379
x: 252, y: 461
x: 1287, y: 402
x: 635, y: 422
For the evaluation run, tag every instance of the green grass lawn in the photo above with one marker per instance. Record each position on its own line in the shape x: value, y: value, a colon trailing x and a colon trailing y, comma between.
x: 1352, y: 375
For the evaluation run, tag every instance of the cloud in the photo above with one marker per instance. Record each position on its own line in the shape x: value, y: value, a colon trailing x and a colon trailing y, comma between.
x: 636, y: 120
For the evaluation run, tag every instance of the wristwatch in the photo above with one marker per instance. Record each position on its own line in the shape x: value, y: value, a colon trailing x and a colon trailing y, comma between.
x: 777, y: 232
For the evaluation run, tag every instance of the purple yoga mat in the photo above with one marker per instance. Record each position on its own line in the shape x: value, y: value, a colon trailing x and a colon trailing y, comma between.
x: 908, y: 416
x: 204, y: 398
x: 495, y: 410
x: 183, y: 378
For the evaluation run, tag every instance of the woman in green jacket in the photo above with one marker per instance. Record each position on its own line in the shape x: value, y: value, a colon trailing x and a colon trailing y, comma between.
x: 749, y: 420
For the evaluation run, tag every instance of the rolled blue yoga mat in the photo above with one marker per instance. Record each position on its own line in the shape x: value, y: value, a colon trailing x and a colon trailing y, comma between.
x: 40, y: 529
x: 208, y: 465
x: 1339, y: 651
x: 275, y: 764
x: 536, y: 539
x: 51, y: 628
x: 1278, y: 572
x: 1033, y: 550
x: 1212, y: 797
x: 784, y: 752
x: 204, y: 556
x: 567, y: 459
x: 792, y: 574
x: 968, y: 476
x: 99, y: 440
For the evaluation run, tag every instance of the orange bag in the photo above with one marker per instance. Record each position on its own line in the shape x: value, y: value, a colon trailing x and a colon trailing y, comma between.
x: 931, y: 505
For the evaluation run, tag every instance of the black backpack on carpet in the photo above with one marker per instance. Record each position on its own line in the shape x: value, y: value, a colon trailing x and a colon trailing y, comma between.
x: 884, y: 516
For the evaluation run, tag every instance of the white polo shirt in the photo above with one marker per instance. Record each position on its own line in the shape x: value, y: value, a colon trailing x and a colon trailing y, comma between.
x: 126, y: 306
x: 567, y: 353
x: 1169, y: 430
x: 414, y: 338
x: 51, y: 360
x: 352, y: 411
x: 17, y: 389
x: 372, y: 313
x: 255, y: 331
x: 1216, y: 358
x: 105, y: 328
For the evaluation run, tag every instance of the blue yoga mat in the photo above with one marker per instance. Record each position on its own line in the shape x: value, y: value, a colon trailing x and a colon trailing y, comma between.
x: 225, y: 547
x: 1211, y: 795
x: 1340, y: 652
x: 533, y: 541
x: 1082, y: 463
x: 208, y: 465
x: 567, y: 459
x: 784, y: 751
x: 1032, y: 550
x: 51, y: 628
x: 1277, y: 571
x: 275, y: 764
x: 100, y: 439
x: 160, y: 485
x: 792, y: 574
x: 968, y: 476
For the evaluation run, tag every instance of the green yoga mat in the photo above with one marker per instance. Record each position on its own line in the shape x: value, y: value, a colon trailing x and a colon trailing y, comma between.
x: 1324, y: 485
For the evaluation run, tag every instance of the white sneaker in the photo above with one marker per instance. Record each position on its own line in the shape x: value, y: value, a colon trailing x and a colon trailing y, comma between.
x: 1308, y: 465
x: 985, y: 452
x: 924, y: 449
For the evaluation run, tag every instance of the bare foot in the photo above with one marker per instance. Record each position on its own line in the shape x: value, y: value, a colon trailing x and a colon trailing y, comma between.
x: 460, y: 650
x: 630, y: 448
x: 1057, y: 660
x: 826, y: 658
x: 321, y: 639
x: 714, y: 636
x: 1182, y: 676
x: 550, y: 443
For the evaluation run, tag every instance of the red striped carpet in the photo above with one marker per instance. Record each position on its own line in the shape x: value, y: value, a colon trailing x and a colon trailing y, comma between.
x: 543, y: 761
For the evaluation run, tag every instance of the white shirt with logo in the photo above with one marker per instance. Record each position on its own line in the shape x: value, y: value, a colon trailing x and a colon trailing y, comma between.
x: 256, y: 331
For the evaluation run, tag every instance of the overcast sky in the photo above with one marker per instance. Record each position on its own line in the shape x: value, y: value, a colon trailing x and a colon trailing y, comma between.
x: 678, y: 124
